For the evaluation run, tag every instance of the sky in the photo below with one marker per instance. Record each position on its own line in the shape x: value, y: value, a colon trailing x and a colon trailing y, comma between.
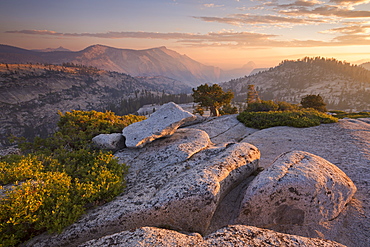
x: 227, y: 34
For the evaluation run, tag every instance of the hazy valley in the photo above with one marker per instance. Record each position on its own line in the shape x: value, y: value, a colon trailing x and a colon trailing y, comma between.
x: 150, y: 62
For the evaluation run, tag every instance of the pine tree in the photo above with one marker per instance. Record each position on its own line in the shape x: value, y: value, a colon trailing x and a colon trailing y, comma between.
x: 213, y: 97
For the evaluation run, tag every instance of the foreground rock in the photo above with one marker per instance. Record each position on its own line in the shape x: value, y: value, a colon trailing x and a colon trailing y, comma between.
x: 345, y: 144
x: 237, y: 235
x: 162, y: 123
x: 299, y: 188
x: 176, y: 182
x: 224, y: 129
x: 111, y: 142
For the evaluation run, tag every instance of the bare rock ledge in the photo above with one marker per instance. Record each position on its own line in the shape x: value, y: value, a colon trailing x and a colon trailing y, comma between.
x: 161, y: 123
x: 233, y: 236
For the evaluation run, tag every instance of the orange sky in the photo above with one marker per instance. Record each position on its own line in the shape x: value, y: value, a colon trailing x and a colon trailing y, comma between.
x: 227, y: 34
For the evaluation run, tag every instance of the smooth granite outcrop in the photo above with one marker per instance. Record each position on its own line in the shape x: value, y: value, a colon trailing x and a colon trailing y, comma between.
x: 161, y: 123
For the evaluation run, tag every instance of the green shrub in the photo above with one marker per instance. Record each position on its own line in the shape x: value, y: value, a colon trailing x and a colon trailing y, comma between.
x: 91, y: 123
x: 285, y: 106
x: 39, y: 204
x: 342, y: 114
x: 299, y: 119
x: 228, y: 109
x: 270, y: 105
x: 314, y: 101
x: 60, y: 177
x: 77, y: 128
x: 264, y: 105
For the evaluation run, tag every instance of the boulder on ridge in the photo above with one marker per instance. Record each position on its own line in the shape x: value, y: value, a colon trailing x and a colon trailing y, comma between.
x: 161, y: 123
x: 299, y: 188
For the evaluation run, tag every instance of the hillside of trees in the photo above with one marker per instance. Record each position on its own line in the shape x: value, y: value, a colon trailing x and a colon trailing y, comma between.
x: 32, y: 94
x: 343, y: 86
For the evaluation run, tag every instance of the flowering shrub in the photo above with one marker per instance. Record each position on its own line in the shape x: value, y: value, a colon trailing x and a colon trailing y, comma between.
x: 56, y: 179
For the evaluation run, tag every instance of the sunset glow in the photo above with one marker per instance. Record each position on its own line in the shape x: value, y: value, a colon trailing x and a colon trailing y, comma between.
x: 227, y: 34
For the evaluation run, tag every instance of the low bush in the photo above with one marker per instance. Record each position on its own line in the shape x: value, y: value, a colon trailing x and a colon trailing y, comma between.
x: 297, y: 118
x: 60, y: 177
x: 285, y: 106
x: 269, y: 105
x: 264, y: 105
x: 228, y: 109
x: 342, y: 114
x: 77, y: 128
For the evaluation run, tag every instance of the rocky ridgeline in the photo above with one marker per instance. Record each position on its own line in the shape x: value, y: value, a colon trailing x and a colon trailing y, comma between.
x: 191, y: 186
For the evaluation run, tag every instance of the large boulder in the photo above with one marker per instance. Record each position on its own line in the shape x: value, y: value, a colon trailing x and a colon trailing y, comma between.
x: 161, y: 123
x: 111, y: 142
x: 175, y: 182
x: 235, y: 235
x: 298, y: 189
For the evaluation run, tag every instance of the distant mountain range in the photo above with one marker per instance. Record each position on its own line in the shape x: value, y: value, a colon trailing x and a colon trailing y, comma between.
x: 150, y: 62
x: 60, y: 48
x: 342, y: 86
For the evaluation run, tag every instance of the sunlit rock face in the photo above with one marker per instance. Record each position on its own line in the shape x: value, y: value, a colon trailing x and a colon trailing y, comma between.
x: 224, y: 129
x: 299, y: 188
x: 237, y: 235
x: 161, y: 123
x: 175, y: 182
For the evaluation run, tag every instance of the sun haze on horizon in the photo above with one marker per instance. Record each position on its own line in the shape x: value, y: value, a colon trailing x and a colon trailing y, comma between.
x: 227, y: 34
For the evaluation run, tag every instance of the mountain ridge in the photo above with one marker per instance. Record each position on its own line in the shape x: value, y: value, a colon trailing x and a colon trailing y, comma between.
x: 343, y: 86
x: 158, y: 61
x: 60, y: 48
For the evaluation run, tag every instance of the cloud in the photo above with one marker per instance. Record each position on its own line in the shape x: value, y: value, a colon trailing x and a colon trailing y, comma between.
x: 350, y: 2
x: 238, y: 19
x: 327, y: 11
x: 297, y: 4
x: 212, y: 5
x: 37, y: 32
x: 352, y: 39
x: 352, y: 29
x: 109, y: 35
x: 221, y: 38
x: 310, y: 8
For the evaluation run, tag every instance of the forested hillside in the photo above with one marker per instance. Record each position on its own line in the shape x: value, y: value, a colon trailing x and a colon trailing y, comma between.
x: 32, y: 94
x: 342, y: 85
